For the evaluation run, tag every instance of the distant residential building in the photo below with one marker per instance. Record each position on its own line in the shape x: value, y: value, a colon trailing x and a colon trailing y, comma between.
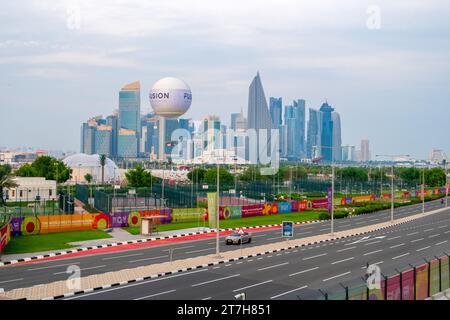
x: 275, y: 107
x: 31, y: 189
x: 365, y: 151
x: 127, y: 144
x: 258, y: 116
x: 314, y: 132
x: 327, y: 132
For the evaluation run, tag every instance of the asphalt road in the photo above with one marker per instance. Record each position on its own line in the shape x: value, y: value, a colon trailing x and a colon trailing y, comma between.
x: 299, y: 273
x: 17, y: 276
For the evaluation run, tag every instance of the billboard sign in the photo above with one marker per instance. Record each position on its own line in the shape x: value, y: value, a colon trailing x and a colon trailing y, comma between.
x: 288, y: 229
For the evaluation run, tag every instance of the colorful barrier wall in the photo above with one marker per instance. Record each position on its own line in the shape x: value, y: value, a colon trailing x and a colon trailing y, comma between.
x: 4, y: 237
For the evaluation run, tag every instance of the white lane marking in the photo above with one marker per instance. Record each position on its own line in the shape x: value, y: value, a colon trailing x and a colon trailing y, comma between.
x: 394, y: 238
x: 368, y: 244
x: 144, y: 259
x: 201, y: 250
x: 259, y: 258
x: 300, y: 272
x: 440, y: 227
x: 420, y: 239
x: 227, y: 265
x: 215, y: 280
x: 339, y: 261
x: 319, y: 255
x: 337, y: 276
x: 250, y: 260
x: 137, y: 284
x: 360, y: 222
x: 253, y: 285
x: 402, y: 255
x: 411, y: 234
x: 397, y: 245
x: 372, y: 252
x: 346, y: 225
x: 84, y: 269
x: 208, y: 298
x: 239, y: 262
x: 427, y: 247
x: 58, y: 265
x: 274, y: 266
x: 6, y: 281
x: 374, y: 220
x: 434, y: 235
x: 346, y: 249
x: 156, y: 294
x: 287, y: 292
x: 447, y: 231
x: 274, y: 238
x: 324, y: 229
x: 304, y: 232
x: 428, y: 230
x: 216, y: 267
x: 442, y: 242
x: 124, y: 256
x: 186, y: 247
x: 259, y: 235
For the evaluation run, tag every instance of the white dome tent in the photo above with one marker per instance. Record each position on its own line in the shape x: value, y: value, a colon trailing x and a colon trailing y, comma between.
x: 82, y: 163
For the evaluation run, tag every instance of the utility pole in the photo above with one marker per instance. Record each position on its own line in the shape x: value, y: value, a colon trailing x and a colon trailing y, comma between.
x: 423, y: 190
x: 332, y: 199
x: 218, y: 213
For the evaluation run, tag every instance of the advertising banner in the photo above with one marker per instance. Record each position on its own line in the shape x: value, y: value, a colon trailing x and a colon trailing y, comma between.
x: 4, y: 237
x: 302, y: 205
x: 445, y: 277
x: 288, y: 229
x: 329, y: 199
x: 406, y: 195
x: 236, y: 212
x: 393, y: 288
x: 253, y: 210
x: 434, y: 277
x: 119, y: 219
x: 408, y: 284
x: 357, y: 293
x: 66, y: 222
x: 284, y: 207
x: 212, y: 209
x: 346, y: 200
x: 363, y: 198
x: 15, y: 225
x: 225, y: 213
x: 319, y: 203
x: 294, y: 206
x: 422, y: 282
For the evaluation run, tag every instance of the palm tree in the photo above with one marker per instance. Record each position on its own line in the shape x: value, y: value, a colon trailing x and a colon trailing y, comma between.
x: 5, y: 180
x: 102, y: 163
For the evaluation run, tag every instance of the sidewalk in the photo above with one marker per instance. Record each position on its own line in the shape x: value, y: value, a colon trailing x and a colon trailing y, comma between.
x: 118, y: 235
x: 106, y: 280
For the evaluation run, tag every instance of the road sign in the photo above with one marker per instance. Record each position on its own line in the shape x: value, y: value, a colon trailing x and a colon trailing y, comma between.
x: 241, y: 231
x: 288, y: 229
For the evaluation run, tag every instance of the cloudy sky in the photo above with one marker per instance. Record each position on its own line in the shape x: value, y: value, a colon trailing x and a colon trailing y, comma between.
x: 384, y: 65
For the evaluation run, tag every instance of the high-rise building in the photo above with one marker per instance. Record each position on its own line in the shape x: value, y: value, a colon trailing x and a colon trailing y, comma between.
x: 258, y: 117
x: 275, y: 106
x: 300, y: 145
x: 127, y: 144
x: 87, y: 139
x: 365, y: 150
x: 103, y: 139
x: 348, y: 153
x: 289, y: 134
x: 314, y: 133
x: 130, y: 108
x: 337, y: 139
x: 211, y: 133
x: 113, y: 121
x: 234, y: 117
x: 327, y: 132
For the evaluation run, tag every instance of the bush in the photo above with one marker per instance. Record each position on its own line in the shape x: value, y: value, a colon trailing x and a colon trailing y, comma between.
x: 324, y: 216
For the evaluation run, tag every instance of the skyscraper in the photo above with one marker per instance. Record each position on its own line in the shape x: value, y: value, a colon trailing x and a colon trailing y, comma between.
x: 130, y: 108
x: 127, y: 144
x: 314, y: 133
x: 327, y: 132
x: 275, y: 106
x: 258, y: 115
x: 337, y: 140
x: 289, y: 133
x: 299, y: 144
x: 365, y: 150
x: 103, y: 139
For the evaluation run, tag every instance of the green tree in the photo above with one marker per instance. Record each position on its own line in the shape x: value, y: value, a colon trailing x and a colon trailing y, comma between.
x: 225, y: 177
x: 102, y: 163
x: 88, y: 177
x: 197, y: 175
x: 410, y: 175
x: 435, y: 177
x: 138, y: 177
x: 5, y: 180
x: 353, y: 174
x: 47, y: 167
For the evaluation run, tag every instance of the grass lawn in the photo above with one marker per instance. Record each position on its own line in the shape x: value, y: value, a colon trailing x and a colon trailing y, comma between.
x: 52, y: 241
x: 236, y: 223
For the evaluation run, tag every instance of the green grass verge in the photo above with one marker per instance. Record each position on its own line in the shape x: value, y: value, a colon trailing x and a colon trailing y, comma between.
x: 236, y: 223
x: 51, y: 241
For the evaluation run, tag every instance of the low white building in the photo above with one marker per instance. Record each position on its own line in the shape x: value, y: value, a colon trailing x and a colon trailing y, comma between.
x: 31, y: 189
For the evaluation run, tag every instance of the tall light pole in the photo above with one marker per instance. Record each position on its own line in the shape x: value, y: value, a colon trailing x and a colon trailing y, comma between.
x: 332, y: 199
x: 218, y: 213
x: 423, y: 190
x: 446, y: 183
x: 392, y: 179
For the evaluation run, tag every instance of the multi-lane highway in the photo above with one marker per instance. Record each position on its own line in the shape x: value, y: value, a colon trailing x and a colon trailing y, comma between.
x: 309, y: 261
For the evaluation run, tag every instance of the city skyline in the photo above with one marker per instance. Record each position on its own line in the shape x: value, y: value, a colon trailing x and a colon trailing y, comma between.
x: 397, y: 75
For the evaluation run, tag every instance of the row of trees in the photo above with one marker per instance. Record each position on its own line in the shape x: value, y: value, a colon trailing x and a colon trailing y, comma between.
x: 47, y: 167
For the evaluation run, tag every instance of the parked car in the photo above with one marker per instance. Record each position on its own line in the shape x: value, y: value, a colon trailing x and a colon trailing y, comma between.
x: 236, y: 238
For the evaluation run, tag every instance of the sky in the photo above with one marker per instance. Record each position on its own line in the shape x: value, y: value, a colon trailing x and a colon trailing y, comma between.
x: 383, y: 65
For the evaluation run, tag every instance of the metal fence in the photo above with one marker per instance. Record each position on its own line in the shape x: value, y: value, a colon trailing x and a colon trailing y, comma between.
x: 415, y: 282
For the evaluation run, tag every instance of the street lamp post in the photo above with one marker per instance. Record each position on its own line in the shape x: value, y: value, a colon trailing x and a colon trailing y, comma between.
x: 332, y: 199
x: 392, y: 180
x: 217, y: 212
x: 423, y: 190
x: 446, y: 184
